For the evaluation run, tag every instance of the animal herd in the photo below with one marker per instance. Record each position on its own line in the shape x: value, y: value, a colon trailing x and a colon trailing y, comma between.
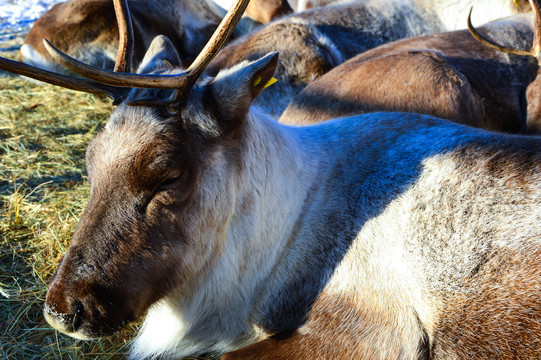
x: 339, y: 180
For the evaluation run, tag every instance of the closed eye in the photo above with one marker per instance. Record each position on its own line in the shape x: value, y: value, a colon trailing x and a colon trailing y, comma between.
x: 174, y: 181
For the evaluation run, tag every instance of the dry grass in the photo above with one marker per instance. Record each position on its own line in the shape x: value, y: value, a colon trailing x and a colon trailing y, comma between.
x: 44, y: 131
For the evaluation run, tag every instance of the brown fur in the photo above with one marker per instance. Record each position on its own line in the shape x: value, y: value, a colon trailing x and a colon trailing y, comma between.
x: 296, y: 44
x: 83, y: 27
x: 497, y: 317
x: 73, y: 23
x: 449, y: 75
x: 358, y: 330
x: 265, y: 11
x: 87, y: 29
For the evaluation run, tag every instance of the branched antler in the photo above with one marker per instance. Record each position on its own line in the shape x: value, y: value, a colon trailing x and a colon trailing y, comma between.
x: 114, y: 84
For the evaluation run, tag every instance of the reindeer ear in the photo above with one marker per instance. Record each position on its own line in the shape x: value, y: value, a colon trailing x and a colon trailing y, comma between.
x: 234, y: 89
x: 161, y: 55
x: 261, y: 77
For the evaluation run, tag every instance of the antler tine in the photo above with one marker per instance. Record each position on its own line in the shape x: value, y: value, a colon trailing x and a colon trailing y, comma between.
x: 218, y: 39
x: 536, y: 47
x: 125, y: 37
x: 69, y: 82
x: 179, y: 81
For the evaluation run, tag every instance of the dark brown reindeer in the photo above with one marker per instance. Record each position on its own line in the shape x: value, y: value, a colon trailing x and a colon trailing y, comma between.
x: 449, y: 75
x: 383, y: 236
x: 87, y: 29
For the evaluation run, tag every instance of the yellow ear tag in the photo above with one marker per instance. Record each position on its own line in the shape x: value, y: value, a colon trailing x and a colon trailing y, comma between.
x: 516, y: 2
x: 257, y: 80
x: 167, y: 63
x: 270, y: 82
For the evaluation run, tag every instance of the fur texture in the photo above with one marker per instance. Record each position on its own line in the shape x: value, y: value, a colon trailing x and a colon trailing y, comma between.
x: 87, y: 30
x: 448, y: 75
x: 382, y: 236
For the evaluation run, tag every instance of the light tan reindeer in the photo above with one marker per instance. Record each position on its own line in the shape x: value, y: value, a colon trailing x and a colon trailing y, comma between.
x: 383, y: 236
x: 450, y: 75
x: 450, y: 13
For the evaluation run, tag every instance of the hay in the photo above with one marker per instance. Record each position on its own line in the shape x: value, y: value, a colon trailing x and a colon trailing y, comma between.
x: 44, y: 132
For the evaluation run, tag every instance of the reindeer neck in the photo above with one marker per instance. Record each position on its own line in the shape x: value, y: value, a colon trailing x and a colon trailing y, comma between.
x: 275, y: 175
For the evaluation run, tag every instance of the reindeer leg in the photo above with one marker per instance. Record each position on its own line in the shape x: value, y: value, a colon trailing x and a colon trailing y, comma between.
x: 307, y: 346
x: 337, y: 329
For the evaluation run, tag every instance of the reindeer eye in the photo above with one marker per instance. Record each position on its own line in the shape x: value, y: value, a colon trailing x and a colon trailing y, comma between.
x: 173, y: 181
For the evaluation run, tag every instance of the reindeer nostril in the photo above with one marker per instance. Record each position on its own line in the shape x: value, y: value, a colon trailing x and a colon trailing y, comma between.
x: 61, y: 319
x: 65, y: 321
x: 78, y: 315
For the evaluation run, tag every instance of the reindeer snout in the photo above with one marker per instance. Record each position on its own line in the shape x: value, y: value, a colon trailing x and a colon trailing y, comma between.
x: 80, y: 306
x: 63, y: 312
x: 66, y: 321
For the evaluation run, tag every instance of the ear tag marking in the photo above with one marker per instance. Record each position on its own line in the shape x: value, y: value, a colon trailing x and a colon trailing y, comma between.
x: 167, y: 63
x: 516, y: 2
x: 257, y: 80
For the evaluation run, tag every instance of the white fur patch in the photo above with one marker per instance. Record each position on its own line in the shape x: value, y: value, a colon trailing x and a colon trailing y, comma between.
x: 453, y: 13
x: 31, y: 57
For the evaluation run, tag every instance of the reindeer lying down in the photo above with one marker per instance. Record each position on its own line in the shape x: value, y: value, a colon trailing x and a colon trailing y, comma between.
x: 449, y: 75
x: 382, y: 236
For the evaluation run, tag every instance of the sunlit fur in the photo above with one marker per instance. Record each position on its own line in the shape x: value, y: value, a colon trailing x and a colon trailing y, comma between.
x: 374, y: 236
x: 449, y: 75
x: 450, y: 13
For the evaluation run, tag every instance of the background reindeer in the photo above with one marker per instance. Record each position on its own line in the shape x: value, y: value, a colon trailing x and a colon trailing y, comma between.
x: 450, y: 75
x: 315, y: 41
x: 87, y: 29
x: 324, y: 37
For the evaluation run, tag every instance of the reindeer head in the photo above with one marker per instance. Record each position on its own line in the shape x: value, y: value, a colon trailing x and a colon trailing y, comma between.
x: 161, y: 180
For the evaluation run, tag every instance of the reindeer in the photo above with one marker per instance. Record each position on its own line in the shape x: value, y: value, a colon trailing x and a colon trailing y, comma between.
x: 311, y: 43
x: 381, y: 236
x: 315, y: 41
x: 87, y: 29
x: 449, y: 75
x: 449, y: 13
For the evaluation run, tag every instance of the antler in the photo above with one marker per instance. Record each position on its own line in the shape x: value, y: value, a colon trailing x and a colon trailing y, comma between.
x: 69, y: 82
x: 536, y: 46
x: 125, y: 36
x: 182, y: 82
x: 113, y: 84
